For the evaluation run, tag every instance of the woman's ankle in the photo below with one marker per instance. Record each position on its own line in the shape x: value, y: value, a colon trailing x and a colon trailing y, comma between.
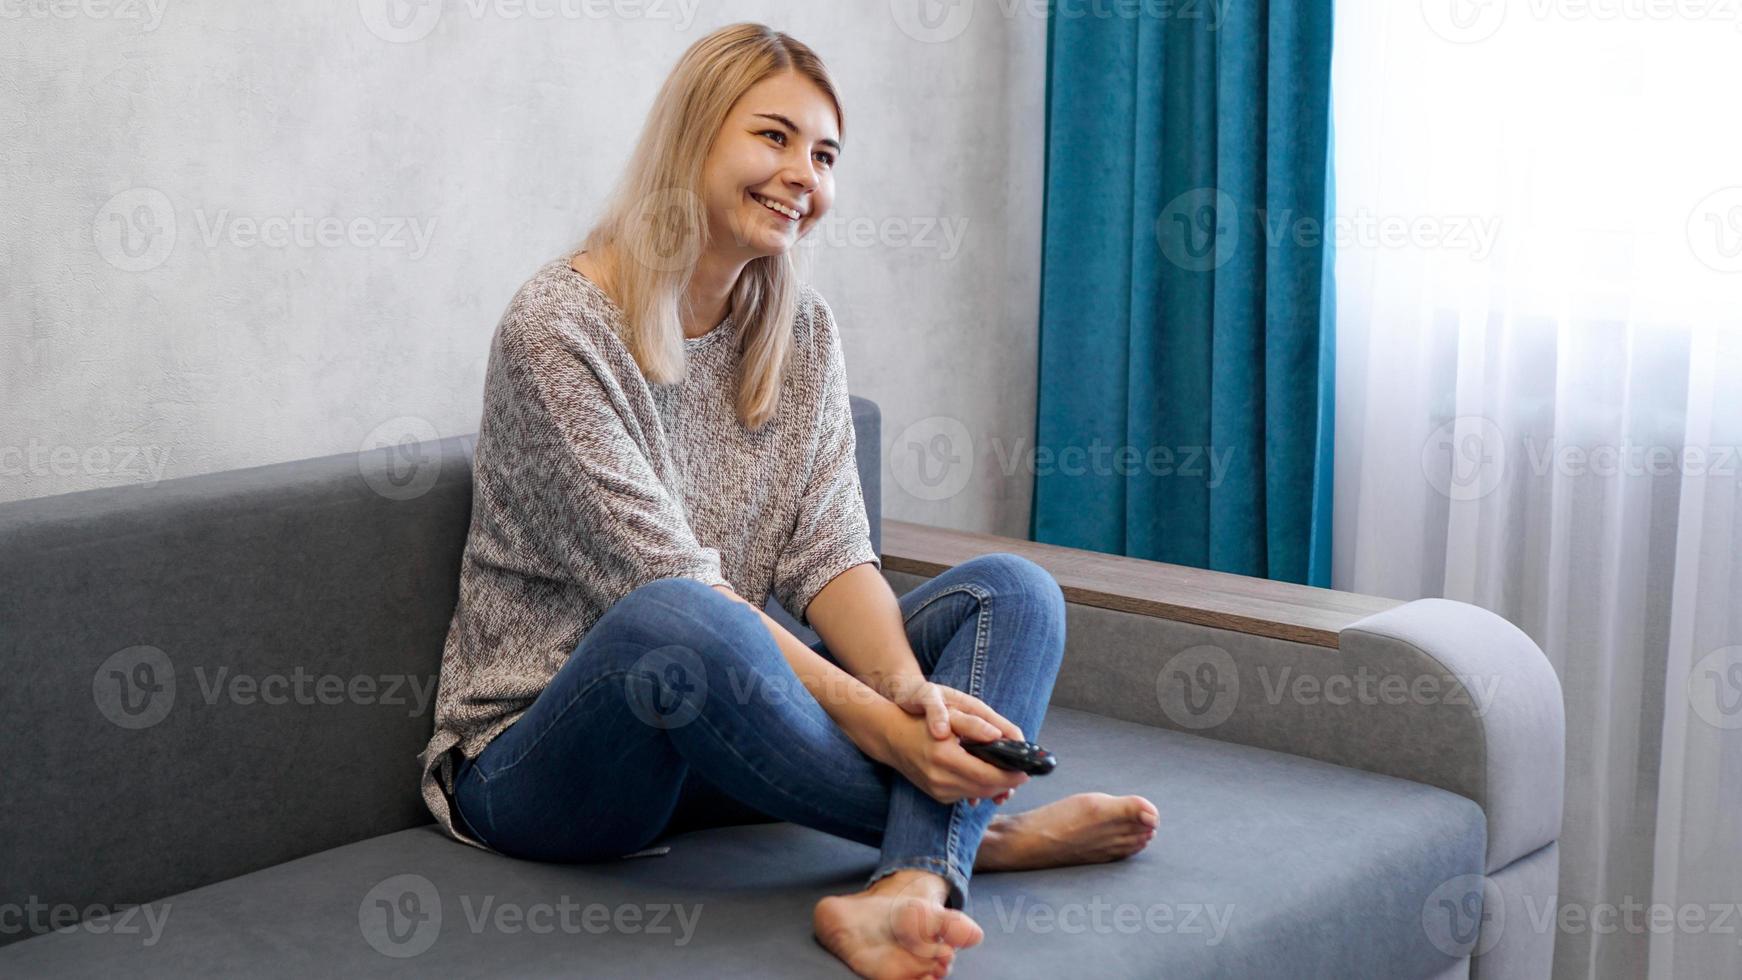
x: 913, y: 883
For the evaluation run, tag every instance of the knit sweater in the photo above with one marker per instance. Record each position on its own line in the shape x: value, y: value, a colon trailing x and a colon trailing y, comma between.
x: 589, y: 482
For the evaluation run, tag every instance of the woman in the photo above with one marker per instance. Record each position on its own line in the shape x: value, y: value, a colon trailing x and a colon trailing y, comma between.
x: 666, y: 441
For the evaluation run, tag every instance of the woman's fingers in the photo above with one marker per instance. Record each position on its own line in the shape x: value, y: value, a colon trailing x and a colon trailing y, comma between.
x: 973, y: 727
x: 976, y: 778
x: 963, y: 701
x: 937, y: 711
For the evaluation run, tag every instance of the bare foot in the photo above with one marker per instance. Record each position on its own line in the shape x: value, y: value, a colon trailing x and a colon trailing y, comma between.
x: 898, y: 928
x: 1088, y: 828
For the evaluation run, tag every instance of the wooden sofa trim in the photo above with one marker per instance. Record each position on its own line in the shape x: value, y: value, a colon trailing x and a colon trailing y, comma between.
x: 1282, y: 610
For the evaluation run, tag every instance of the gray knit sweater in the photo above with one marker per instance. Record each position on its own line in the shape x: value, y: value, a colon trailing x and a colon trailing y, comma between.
x: 588, y: 482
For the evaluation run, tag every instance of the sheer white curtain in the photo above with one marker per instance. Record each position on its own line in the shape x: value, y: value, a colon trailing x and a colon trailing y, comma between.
x: 1539, y: 409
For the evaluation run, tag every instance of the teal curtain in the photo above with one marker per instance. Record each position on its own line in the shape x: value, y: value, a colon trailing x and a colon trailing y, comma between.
x: 1186, y: 338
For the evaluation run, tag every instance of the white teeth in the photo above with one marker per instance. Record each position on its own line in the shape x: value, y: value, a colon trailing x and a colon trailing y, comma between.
x: 777, y: 206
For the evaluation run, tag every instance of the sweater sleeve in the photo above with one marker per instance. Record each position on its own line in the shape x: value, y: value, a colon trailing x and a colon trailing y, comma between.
x: 831, y: 533
x: 587, y: 498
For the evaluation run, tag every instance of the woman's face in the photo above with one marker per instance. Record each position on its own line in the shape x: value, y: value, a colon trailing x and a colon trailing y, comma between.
x: 778, y: 146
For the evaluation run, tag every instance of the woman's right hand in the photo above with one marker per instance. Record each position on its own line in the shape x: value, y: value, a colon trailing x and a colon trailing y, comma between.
x: 940, y: 767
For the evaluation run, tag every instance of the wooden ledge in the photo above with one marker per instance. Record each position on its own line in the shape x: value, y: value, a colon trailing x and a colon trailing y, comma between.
x: 1281, y: 610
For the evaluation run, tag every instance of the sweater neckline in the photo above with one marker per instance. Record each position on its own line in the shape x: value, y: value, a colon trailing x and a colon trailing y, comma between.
x: 691, y: 344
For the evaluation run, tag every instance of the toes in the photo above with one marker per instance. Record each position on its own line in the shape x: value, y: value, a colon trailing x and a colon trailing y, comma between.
x: 1144, y: 811
x: 960, y: 931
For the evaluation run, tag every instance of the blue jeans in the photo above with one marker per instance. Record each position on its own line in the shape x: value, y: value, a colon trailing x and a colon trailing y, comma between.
x: 678, y: 711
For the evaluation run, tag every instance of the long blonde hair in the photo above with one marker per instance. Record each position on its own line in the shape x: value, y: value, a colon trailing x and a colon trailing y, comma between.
x: 655, y: 223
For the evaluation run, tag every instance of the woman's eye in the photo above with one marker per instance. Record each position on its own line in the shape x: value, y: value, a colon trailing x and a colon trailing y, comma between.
x: 828, y: 159
x: 777, y: 134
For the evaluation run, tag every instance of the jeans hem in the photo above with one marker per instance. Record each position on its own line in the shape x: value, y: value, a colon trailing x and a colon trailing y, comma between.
x: 958, y: 882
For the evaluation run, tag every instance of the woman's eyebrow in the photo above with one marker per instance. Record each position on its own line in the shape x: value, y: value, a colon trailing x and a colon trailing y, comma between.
x: 789, y: 124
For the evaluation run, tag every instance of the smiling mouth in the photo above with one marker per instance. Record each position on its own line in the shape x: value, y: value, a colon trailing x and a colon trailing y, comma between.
x: 775, y: 207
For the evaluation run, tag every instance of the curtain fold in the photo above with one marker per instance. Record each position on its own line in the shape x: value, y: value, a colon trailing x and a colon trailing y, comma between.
x: 1186, y: 385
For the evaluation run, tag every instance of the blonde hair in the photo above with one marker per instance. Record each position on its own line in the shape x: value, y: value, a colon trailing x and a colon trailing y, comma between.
x: 656, y: 226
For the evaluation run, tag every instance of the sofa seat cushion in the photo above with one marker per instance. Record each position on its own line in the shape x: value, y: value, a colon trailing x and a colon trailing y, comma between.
x: 1266, y: 865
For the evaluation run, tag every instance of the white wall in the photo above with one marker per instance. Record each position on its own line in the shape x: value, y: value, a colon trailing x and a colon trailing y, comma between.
x: 146, y: 332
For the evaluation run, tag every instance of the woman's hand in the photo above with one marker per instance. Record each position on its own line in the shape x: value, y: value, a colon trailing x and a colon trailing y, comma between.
x: 948, y: 714
x: 940, y: 767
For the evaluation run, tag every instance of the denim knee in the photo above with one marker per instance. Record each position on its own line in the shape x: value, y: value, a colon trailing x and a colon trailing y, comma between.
x: 1013, y: 575
x: 645, y: 615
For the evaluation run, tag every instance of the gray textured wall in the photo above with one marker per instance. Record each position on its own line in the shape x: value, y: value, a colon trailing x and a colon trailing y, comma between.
x: 235, y: 234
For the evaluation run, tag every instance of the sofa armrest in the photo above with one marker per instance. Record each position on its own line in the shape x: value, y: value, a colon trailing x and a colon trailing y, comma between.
x: 1434, y: 691
x: 1491, y: 724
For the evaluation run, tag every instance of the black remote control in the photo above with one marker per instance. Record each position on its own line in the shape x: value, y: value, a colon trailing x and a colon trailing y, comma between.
x: 1008, y: 753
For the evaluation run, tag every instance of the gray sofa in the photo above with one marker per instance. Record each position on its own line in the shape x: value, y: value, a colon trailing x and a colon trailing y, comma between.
x: 215, y: 690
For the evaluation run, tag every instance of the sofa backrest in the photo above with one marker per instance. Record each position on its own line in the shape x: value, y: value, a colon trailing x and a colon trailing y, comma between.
x: 220, y: 673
